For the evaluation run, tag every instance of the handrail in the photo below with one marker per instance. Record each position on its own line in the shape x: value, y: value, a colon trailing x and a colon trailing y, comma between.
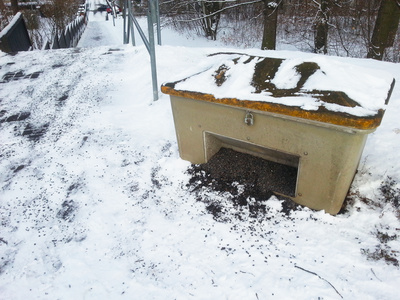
x: 153, y: 17
x: 112, y: 6
x: 141, y: 33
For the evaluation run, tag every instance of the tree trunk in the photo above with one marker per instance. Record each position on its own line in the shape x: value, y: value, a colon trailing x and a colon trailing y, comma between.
x: 14, y: 6
x: 270, y: 23
x: 2, y: 6
x: 321, y: 28
x: 386, y: 25
x: 212, y: 16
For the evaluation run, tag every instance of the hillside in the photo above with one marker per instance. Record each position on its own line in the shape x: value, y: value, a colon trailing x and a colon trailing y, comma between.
x: 95, y: 202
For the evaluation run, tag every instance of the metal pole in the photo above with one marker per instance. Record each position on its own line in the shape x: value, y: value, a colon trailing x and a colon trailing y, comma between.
x: 152, y: 17
x: 126, y: 41
x: 155, y: 14
x: 130, y: 23
x: 129, y: 27
x: 150, y: 22
x: 111, y: 5
x: 158, y: 23
x: 141, y: 33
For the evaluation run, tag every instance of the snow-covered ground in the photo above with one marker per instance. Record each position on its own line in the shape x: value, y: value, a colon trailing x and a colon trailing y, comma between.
x: 94, y: 200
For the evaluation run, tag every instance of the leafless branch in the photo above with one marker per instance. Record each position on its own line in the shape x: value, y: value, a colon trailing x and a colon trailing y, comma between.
x: 320, y: 278
x: 221, y: 10
x: 276, y: 7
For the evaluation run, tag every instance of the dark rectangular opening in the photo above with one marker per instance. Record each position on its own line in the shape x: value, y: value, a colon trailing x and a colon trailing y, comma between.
x: 246, y: 163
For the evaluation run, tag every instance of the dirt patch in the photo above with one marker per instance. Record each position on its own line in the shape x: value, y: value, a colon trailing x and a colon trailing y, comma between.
x: 244, y: 180
x: 391, y: 193
x: 262, y: 175
x: 220, y: 75
x: 383, y: 250
x: 68, y: 210
x: 17, y: 117
x: 12, y: 76
x: 34, y: 133
x: 62, y: 99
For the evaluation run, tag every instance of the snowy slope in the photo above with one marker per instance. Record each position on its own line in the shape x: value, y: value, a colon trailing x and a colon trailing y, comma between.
x: 94, y: 200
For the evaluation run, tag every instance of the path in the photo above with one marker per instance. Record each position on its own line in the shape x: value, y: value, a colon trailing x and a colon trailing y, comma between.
x: 99, y: 31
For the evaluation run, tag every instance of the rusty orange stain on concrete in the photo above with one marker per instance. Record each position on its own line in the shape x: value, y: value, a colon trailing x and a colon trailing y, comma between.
x: 321, y: 115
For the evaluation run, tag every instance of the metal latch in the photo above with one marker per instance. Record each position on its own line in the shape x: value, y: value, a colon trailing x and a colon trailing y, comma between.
x: 249, y: 119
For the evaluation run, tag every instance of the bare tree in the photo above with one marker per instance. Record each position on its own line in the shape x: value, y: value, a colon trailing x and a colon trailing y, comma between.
x: 301, y: 24
x: 322, y: 26
x: 207, y: 15
x: 14, y: 6
x: 211, y: 15
x: 270, y: 24
x: 385, y: 29
x: 61, y: 12
x: 3, y: 15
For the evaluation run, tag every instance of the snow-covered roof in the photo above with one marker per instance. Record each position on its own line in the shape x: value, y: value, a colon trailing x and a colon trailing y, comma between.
x: 319, y: 88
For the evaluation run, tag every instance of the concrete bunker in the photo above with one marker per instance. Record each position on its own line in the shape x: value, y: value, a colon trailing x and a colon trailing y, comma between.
x: 278, y: 110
